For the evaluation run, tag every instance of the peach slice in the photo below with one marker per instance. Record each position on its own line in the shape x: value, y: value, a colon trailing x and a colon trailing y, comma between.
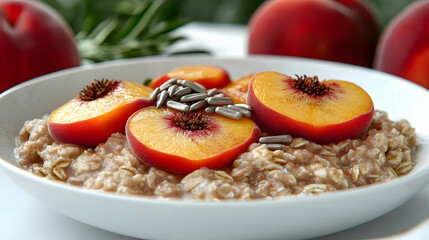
x: 237, y: 90
x: 181, y: 142
x: 324, y: 112
x: 100, y: 110
x: 207, y: 75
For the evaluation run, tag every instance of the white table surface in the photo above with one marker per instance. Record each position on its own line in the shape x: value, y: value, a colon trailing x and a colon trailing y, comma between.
x: 23, y: 217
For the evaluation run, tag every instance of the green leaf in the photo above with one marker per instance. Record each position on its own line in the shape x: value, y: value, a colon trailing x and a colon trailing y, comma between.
x: 190, y: 52
x: 110, y: 29
x: 144, y: 21
x: 130, y: 23
x: 147, y: 81
x: 165, y: 27
x: 103, y: 30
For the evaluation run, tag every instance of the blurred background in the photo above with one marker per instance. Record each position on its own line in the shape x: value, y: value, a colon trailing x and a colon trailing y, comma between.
x: 157, y: 18
x: 230, y: 11
x: 114, y: 29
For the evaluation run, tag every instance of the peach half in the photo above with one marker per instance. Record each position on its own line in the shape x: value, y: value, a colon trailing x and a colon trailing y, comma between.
x: 323, y: 112
x: 237, y: 90
x: 181, y: 142
x: 207, y: 75
x: 100, y: 110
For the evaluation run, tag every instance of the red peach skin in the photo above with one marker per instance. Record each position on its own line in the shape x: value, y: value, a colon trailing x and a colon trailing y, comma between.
x: 342, y: 111
x: 34, y: 40
x: 89, y: 123
x: 328, y: 30
x: 403, y: 49
x: 281, y: 124
x: 183, y: 165
x: 97, y: 130
x: 160, y: 142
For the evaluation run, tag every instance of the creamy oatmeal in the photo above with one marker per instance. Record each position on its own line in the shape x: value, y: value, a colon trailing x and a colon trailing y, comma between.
x: 383, y: 152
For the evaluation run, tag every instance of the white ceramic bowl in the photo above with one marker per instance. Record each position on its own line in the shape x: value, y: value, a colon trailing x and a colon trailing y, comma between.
x: 292, y: 217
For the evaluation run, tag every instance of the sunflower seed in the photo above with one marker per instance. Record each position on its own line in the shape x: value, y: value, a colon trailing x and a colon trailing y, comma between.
x: 193, y: 97
x: 177, y: 99
x: 275, y: 146
x: 168, y: 83
x: 219, y: 100
x: 194, y: 86
x: 154, y: 94
x: 180, y: 82
x: 198, y: 105
x: 219, y: 95
x: 276, y: 139
x: 243, y: 111
x: 228, y: 113
x: 162, y: 97
x: 245, y: 106
x: 212, y: 92
x: 172, y: 89
x: 178, y: 106
x: 182, y: 91
x: 210, y: 109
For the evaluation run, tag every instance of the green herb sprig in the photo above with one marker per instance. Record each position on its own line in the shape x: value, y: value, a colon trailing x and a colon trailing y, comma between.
x: 110, y: 29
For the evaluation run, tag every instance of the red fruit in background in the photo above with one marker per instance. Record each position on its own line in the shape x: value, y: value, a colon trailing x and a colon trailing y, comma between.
x: 367, y: 18
x: 340, y: 30
x: 403, y: 49
x: 34, y: 40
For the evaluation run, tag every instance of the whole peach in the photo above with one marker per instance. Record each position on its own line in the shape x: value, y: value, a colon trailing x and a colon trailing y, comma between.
x: 403, y: 49
x: 34, y: 40
x: 340, y: 30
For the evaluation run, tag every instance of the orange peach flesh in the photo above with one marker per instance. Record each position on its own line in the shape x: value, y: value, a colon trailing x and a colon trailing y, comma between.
x: 207, y: 75
x: 344, y: 112
x: 155, y: 139
x: 196, y: 72
x: 88, y: 123
x: 237, y: 90
x: 153, y: 129
x: 77, y: 110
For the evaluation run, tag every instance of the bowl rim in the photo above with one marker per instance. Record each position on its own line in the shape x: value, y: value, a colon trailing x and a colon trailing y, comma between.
x: 203, y: 57
x: 408, y: 178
